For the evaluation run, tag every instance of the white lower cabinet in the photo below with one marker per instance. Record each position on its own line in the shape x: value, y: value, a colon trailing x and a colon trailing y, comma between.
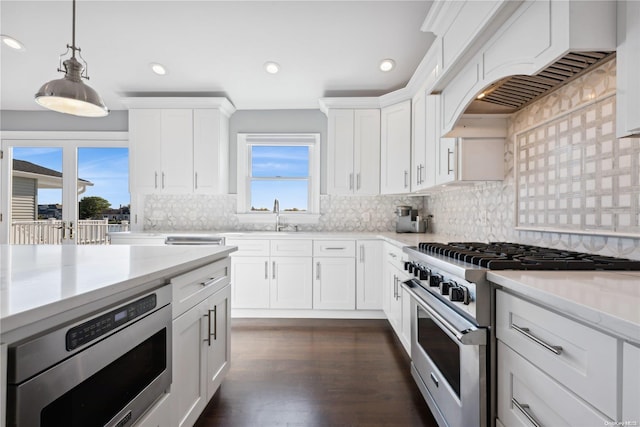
x: 291, y: 282
x: 369, y: 275
x: 334, y: 274
x: 396, y: 303
x: 527, y: 395
x: 553, y: 369
x: 273, y: 274
x: 630, y: 382
x: 200, y: 339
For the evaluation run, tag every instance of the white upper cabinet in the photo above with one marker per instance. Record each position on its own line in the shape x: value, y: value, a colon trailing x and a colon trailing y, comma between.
x: 418, y: 140
x: 395, y: 152
x: 628, y: 63
x: 179, y: 150
x: 210, y: 152
x: 470, y: 159
x: 425, y: 123
x: 353, y: 152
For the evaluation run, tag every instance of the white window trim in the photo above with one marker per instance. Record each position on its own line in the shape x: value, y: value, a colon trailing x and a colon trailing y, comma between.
x: 245, y: 140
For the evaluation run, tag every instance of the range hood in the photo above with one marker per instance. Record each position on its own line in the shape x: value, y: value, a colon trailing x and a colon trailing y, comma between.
x: 512, y: 93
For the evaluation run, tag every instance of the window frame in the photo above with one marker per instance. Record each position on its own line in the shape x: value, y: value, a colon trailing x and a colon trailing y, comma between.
x: 245, y: 141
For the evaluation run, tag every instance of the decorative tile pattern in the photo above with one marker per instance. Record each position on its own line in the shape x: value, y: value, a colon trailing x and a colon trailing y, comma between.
x: 573, y: 175
x: 217, y: 213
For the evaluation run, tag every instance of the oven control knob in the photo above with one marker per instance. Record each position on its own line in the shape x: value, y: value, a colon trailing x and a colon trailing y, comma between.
x: 459, y: 294
x: 446, y: 286
x: 408, y: 266
x: 423, y: 273
x: 434, y: 280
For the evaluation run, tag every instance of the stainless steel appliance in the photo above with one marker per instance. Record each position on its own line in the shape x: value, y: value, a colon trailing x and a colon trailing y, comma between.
x: 452, y: 345
x: 194, y: 240
x: 103, y: 370
x: 409, y: 220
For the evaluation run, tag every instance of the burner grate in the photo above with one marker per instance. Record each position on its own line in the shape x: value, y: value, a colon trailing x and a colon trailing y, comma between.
x: 517, y: 256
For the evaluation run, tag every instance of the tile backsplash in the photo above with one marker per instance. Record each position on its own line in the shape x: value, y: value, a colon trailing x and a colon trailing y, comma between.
x: 218, y: 213
x: 572, y: 174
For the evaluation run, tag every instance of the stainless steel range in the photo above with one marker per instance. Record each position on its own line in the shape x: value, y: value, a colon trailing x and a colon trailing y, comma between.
x: 452, y: 341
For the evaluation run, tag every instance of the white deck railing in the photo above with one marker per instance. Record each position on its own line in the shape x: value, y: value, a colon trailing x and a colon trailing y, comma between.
x: 50, y: 232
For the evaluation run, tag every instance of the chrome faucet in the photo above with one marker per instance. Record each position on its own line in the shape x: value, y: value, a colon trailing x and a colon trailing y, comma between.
x: 276, y: 210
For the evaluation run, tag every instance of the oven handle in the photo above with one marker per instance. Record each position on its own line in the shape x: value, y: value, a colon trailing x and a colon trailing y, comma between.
x: 464, y: 331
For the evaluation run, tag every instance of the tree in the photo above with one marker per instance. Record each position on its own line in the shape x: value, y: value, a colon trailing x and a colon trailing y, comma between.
x: 92, y: 206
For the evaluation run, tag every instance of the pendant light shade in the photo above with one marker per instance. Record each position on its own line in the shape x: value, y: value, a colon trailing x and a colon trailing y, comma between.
x: 69, y: 94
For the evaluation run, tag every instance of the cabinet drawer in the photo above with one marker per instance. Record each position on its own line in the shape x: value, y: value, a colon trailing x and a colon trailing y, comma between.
x: 193, y: 287
x: 538, y: 395
x: 394, y: 255
x: 587, y: 362
x: 249, y: 247
x: 334, y: 248
x: 288, y: 247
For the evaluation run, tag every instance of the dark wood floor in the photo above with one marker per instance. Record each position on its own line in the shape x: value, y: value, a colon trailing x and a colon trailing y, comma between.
x: 315, y: 372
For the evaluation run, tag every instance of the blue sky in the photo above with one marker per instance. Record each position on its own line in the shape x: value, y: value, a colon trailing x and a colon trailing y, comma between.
x: 281, y: 161
x: 106, y: 168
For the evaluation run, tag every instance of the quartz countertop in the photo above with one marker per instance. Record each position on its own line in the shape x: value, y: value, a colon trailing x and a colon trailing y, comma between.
x: 399, y: 239
x: 607, y: 300
x: 40, y: 282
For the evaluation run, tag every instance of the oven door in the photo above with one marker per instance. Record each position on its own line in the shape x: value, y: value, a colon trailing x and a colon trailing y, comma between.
x: 448, y: 361
x: 110, y: 383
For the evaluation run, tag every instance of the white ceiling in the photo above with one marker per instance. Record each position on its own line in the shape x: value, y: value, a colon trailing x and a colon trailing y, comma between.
x: 216, y: 48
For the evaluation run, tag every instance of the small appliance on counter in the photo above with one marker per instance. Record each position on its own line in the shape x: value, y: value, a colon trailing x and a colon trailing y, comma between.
x: 409, y: 221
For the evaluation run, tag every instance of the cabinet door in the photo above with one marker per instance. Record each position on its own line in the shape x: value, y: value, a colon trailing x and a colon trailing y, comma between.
x: 628, y: 62
x: 395, y: 153
x: 432, y: 138
x: 369, y: 275
x: 189, y: 364
x: 367, y: 152
x: 159, y: 415
x: 446, y: 171
x: 340, y: 175
x: 418, y: 141
x: 395, y: 301
x: 334, y: 285
x: 250, y: 282
x: 291, y: 285
x: 630, y: 382
x: 145, y: 136
x: 218, y: 341
x: 177, y: 151
x: 525, y: 391
x: 210, y: 152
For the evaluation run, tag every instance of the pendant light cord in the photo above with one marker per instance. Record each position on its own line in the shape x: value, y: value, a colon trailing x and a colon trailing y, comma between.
x: 73, y: 30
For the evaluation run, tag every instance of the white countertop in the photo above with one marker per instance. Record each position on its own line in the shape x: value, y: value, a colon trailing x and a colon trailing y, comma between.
x: 608, y: 300
x: 40, y: 282
x: 400, y: 239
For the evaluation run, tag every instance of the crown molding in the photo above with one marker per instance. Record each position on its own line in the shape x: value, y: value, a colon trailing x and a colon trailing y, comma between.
x: 220, y: 103
x: 348, y: 102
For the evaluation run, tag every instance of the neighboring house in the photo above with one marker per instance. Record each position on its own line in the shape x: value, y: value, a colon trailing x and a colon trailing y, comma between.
x: 27, y: 179
x: 117, y: 215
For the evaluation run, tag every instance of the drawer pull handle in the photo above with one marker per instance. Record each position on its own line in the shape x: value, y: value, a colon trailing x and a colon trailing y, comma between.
x: 335, y: 249
x: 392, y: 255
x: 211, y: 281
x: 556, y: 349
x: 266, y: 270
x: 525, y: 411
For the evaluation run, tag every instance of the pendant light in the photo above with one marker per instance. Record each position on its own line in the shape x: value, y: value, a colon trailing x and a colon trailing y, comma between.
x: 70, y: 95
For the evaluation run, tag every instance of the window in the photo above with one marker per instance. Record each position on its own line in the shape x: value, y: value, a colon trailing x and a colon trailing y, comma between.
x: 278, y: 166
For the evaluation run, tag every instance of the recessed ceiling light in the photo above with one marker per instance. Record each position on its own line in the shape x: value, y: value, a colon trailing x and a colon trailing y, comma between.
x: 11, y: 42
x: 158, y: 69
x: 271, y: 67
x: 387, y: 65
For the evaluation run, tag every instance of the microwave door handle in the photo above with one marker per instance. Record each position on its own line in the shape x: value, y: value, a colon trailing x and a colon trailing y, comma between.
x: 465, y: 332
